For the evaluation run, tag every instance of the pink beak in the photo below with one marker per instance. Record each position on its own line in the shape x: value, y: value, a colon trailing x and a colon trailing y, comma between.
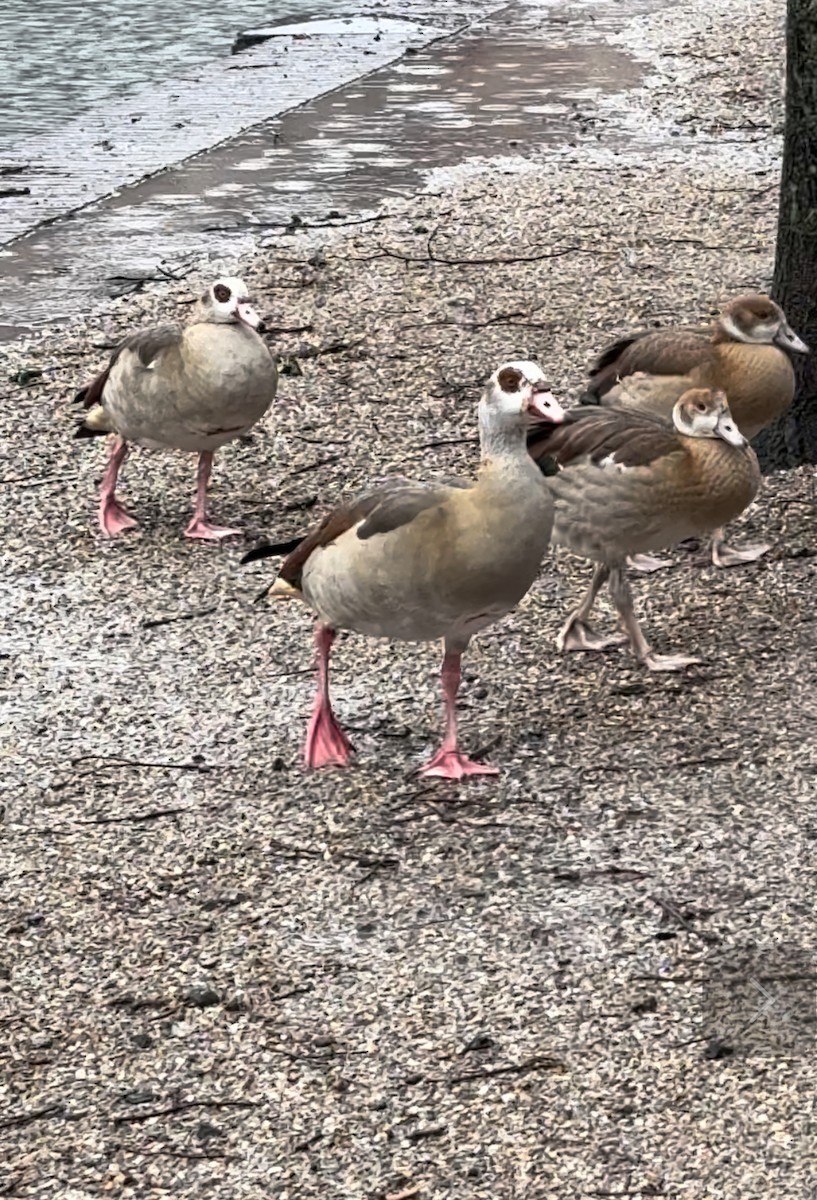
x: 546, y: 407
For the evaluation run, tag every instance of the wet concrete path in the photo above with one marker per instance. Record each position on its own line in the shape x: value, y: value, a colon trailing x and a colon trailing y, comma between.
x: 526, y: 76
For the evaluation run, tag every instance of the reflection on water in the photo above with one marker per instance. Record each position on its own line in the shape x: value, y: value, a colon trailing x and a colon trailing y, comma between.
x: 60, y: 57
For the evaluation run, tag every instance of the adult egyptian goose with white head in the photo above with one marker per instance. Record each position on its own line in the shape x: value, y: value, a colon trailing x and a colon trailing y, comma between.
x: 629, y: 483
x: 173, y: 388
x: 745, y: 355
x: 421, y: 561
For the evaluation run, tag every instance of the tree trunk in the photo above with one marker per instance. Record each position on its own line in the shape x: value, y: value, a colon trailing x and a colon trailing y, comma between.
x: 792, y: 439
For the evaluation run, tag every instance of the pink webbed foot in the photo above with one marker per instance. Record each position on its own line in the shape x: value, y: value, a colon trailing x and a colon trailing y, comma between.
x: 736, y: 556
x: 668, y: 662
x: 326, y: 743
x: 453, y: 764
x: 647, y: 563
x: 113, y: 518
x: 201, y: 529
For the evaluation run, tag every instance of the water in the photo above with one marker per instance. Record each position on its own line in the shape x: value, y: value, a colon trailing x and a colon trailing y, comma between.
x: 328, y: 115
x: 59, y: 58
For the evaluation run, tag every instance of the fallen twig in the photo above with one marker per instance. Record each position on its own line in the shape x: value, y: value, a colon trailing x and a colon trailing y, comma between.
x: 16, y: 1120
x: 113, y: 760
x: 313, y: 466
x: 539, y: 1062
x: 155, y: 622
x: 154, y: 815
x: 182, y: 1106
x: 385, y: 252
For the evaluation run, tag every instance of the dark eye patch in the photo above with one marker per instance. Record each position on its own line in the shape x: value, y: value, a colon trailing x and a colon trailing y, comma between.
x: 222, y: 293
x: 510, y: 379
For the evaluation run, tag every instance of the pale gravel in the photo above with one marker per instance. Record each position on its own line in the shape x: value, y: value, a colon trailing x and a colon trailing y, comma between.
x: 361, y: 929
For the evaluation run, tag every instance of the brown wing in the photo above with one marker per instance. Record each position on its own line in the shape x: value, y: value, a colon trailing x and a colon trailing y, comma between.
x: 380, y: 510
x: 631, y: 439
x: 147, y: 344
x: 660, y: 352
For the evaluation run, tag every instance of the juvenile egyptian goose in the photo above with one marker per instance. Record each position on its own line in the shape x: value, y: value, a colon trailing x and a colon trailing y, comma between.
x: 629, y: 483
x: 169, y: 388
x: 421, y: 561
x: 744, y: 355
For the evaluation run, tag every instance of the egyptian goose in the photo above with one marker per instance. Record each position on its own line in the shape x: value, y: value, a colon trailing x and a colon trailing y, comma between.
x: 744, y: 355
x: 421, y: 561
x: 629, y: 482
x: 193, y: 389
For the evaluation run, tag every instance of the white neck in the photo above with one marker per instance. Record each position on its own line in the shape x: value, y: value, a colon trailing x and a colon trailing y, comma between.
x: 500, y: 440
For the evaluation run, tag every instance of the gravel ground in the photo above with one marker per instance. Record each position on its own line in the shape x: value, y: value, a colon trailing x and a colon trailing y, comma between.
x: 222, y: 976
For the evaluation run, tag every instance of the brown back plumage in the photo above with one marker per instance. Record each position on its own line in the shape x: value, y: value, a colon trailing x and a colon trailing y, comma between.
x: 146, y: 343
x: 380, y: 510
x: 633, y: 439
x: 659, y: 352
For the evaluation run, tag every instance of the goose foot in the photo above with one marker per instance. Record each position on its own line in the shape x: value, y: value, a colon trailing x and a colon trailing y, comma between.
x: 113, y: 518
x: 201, y: 529
x: 623, y: 600
x: 449, y: 762
x: 668, y: 662
x: 736, y: 556
x: 453, y: 764
x: 576, y: 634
x: 647, y: 563
x: 326, y: 743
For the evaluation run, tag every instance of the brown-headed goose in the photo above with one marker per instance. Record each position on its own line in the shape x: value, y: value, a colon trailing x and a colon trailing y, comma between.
x: 628, y: 483
x: 173, y: 388
x: 421, y: 561
x: 744, y: 355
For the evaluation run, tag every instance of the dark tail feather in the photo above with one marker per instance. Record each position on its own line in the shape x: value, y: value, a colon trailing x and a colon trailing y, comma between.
x: 588, y: 397
x: 270, y: 549
x: 84, y: 432
x: 80, y: 396
x: 538, y: 438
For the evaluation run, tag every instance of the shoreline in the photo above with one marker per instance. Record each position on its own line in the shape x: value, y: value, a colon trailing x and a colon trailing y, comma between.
x: 361, y: 138
x: 149, y: 228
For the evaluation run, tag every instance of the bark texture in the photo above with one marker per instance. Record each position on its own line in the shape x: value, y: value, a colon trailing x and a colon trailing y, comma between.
x: 792, y: 440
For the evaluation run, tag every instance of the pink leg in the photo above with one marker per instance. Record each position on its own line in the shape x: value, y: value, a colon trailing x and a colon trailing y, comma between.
x: 113, y: 518
x: 200, y: 527
x: 449, y: 762
x: 326, y: 743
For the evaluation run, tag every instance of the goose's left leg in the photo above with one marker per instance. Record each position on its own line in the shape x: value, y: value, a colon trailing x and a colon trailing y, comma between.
x: 735, y: 556
x: 623, y: 599
x: 326, y: 743
x: 449, y: 762
x: 113, y: 518
x: 200, y: 527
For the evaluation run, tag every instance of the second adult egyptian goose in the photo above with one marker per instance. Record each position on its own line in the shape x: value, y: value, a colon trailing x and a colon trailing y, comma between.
x: 421, y: 561
x: 630, y: 483
x: 745, y: 355
x: 169, y: 388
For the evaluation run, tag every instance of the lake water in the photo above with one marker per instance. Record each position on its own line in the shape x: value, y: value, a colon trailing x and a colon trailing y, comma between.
x: 178, y: 149
x: 59, y: 58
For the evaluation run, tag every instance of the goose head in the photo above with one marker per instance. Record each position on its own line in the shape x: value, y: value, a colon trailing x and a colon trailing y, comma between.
x: 704, y: 413
x: 517, y: 395
x: 228, y: 303
x: 757, y: 320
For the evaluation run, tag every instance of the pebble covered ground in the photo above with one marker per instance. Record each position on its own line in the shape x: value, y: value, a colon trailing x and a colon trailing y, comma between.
x: 222, y: 976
